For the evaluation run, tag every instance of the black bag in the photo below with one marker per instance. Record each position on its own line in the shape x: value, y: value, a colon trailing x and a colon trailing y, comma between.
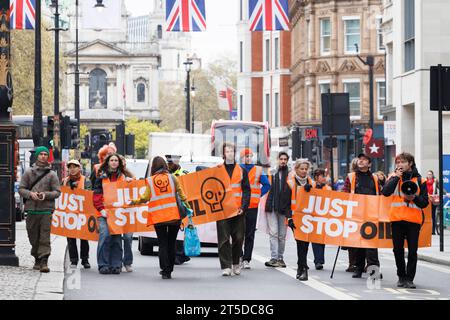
x: 36, y: 182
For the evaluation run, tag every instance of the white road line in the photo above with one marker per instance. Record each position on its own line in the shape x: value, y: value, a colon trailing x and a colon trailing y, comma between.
x: 313, y: 283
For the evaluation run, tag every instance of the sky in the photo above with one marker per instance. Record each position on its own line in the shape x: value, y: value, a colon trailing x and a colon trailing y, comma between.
x: 220, y: 39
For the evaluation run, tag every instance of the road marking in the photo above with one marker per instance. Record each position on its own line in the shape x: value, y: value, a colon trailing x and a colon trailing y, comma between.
x: 313, y: 283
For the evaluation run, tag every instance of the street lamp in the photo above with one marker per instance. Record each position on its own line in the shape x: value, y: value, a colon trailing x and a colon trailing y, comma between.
x: 370, y: 60
x: 193, y: 105
x: 188, y: 65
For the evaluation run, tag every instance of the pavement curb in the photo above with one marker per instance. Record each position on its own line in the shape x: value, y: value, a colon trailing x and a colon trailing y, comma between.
x: 431, y: 259
x: 50, y: 285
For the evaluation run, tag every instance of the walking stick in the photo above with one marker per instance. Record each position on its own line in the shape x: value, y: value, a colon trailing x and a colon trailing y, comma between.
x: 335, y: 260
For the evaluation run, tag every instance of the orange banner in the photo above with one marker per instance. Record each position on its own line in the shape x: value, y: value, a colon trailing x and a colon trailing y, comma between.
x: 349, y: 220
x: 123, y: 218
x: 209, y: 194
x: 75, y: 215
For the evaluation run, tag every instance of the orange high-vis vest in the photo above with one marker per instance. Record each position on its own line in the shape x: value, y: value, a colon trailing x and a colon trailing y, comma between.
x: 352, y: 178
x: 254, y: 176
x: 402, y: 210
x: 294, y: 189
x: 80, y: 184
x: 235, y: 182
x: 162, y: 206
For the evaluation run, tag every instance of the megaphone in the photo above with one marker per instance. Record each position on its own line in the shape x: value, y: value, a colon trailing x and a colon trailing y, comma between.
x: 409, y: 188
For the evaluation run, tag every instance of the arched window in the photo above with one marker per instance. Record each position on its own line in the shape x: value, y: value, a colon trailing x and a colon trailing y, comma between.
x: 141, y: 92
x: 97, y: 89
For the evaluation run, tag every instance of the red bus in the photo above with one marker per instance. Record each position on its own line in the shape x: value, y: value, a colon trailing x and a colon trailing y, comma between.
x: 244, y: 134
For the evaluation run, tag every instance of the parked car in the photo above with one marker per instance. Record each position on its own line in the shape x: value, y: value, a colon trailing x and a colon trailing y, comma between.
x: 207, y: 232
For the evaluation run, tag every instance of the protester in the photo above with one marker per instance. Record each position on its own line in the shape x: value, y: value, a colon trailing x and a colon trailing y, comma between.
x: 381, y: 178
x: 406, y: 216
x: 229, y: 253
x: 109, y: 250
x: 103, y: 152
x: 351, y: 252
x: 433, y: 192
x: 298, y: 181
x: 173, y: 162
x: 259, y: 186
x: 75, y: 180
x: 362, y: 181
x: 39, y: 186
x: 278, y: 208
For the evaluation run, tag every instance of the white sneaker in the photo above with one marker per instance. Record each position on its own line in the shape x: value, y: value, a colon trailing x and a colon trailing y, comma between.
x: 226, y: 272
x: 246, y: 264
x: 237, y: 269
x: 128, y: 268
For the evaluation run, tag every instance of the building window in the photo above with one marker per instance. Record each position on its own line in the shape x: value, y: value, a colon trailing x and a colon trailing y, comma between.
x: 325, y: 36
x: 308, y: 38
x: 97, y: 89
x: 241, y: 107
x: 351, y: 35
x: 381, y: 96
x: 267, y: 108
x: 354, y: 90
x: 380, y: 44
x: 277, y: 110
x: 324, y: 87
x: 141, y: 92
x: 241, y: 56
x: 409, y: 19
x: 277, y: 53
x: 159, y: 31
x: 267, y: 54
x: 307, y: 102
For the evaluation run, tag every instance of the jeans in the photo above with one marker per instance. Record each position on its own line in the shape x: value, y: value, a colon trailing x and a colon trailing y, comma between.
x: 109, y: 250
x: 73, y: 250
x: 229, y: 253
x: 402, y: 230
x: 277, y: 233
x: 319, y: 253
x: 167, y: 237
x: 127, y: 252
x: 251, y: 216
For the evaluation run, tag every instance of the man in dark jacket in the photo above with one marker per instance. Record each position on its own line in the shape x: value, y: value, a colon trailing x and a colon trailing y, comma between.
x: 362, y: 181
x: 234, y: 228
x: 406, y: 216
x: 278, y: 208
x: 40, y: 187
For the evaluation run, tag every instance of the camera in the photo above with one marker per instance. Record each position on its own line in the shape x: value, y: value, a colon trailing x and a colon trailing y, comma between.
x: 72, y: 184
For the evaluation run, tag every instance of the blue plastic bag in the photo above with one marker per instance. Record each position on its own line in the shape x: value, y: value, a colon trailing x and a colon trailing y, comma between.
x: 191, y: 240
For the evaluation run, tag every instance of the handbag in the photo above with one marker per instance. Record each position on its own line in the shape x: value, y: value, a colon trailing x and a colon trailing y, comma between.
x: 191, y: 240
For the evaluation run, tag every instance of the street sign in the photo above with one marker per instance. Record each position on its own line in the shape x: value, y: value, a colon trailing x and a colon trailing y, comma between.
x: 434, y: 88
x: 375, y: 148
x: 390, y: 128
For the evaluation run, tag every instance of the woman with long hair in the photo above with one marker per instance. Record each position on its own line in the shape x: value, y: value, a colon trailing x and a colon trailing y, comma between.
x: 433, y: 191
x: 161, y: 192
x: 109, y: 250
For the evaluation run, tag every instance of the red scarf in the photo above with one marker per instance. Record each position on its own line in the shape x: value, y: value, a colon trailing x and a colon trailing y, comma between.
x: 430, y: 186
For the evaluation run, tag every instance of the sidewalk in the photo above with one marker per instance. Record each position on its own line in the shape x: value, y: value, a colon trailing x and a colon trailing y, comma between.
x: 24, y: 283
x: 432, y: 254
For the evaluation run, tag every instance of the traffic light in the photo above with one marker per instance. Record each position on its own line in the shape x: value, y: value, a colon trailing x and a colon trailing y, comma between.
x: 74, y: 136
x: 315, y: 157
x: 120, y: 138
x: 65, y: 132
x: 129, y: 139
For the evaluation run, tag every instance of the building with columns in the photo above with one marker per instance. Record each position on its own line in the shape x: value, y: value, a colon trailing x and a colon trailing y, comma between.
x: 118, y: 64
x: 417, y: 36
x: 324, y: 57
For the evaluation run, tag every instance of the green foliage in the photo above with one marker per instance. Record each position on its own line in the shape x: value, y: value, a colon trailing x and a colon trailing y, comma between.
x: 22, y: 69
x: 141, y: 130
x: 205, y: 105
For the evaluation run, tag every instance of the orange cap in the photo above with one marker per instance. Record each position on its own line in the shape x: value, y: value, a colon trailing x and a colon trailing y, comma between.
x: 246, y: 151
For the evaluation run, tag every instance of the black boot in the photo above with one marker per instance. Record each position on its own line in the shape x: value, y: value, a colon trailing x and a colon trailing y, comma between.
x: 86, y: 264
x: 303, y: 274
x: 37, y: 264
x: 357, y: 273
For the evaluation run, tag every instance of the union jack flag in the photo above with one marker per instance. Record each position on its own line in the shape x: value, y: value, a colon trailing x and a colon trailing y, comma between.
x: 267, y: 15
x: 185, y: 15
x: 22, y: 14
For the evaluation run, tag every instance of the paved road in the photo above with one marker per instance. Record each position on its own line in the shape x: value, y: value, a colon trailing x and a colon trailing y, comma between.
x: 201, y: 279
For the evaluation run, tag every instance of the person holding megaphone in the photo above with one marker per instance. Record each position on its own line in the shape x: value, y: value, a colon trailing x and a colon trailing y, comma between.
x: 410, y: 194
